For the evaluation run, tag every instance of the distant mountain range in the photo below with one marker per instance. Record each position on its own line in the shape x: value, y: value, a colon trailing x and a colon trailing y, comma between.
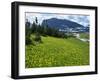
x: 65, y: 25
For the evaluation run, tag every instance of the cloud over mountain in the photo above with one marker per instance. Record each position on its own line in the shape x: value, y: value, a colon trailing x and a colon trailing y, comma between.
x: 81, y: 19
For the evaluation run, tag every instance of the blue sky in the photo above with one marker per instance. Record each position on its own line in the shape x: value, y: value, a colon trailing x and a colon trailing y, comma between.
x: 81, y: 19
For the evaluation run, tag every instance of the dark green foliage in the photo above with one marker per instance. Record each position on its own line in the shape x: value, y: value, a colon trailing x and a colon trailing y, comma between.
x: 36, y: 20
x: 33, y: 28
x: 28, y: 40
x: 27, y: 29
x: 27, y: 33
x: 37, y: 37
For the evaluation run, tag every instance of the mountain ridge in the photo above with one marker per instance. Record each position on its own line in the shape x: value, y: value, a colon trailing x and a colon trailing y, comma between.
x: 60, y: 23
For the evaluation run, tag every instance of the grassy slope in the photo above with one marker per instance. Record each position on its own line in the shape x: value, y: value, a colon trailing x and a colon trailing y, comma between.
x: 84, y: 35
x: 57, y: 52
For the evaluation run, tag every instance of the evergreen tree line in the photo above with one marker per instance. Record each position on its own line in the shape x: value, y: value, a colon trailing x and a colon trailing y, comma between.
x: 39, y: 30
x: 46, y: 31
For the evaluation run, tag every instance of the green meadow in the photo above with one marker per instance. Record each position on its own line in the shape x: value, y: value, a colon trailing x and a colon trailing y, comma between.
x: 54, y: 52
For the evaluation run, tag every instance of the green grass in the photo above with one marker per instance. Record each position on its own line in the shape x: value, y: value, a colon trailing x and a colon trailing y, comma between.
x: 55, y: 52
x: 84, y: 35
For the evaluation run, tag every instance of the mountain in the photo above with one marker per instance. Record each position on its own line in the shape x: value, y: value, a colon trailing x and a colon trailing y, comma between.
x: 60, y: 23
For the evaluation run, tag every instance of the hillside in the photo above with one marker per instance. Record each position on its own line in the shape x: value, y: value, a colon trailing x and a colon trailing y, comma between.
x: 60, y: 23
x: 55, y: 52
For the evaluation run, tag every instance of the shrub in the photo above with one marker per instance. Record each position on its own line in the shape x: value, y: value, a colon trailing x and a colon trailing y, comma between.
x: 28, y: 40
x: 37, y: 37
